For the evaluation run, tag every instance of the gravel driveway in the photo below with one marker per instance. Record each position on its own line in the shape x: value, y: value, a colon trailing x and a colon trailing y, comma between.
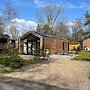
x: 60, y: 71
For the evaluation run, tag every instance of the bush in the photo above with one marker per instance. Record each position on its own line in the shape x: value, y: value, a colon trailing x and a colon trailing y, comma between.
x: 12, y: 61
x: 40, y: 54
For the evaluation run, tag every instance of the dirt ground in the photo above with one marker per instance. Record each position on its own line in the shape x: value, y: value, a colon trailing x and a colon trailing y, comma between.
x: 60, y: 71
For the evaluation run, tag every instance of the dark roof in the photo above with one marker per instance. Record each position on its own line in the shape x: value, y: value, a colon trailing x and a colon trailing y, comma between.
x: 4, y: 36
x: 50, y: 36
x: 45, y: 35
x: 42, y: 34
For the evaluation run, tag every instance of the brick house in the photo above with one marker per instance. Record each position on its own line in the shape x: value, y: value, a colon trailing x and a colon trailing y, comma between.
x: 86, y: 44
x: 33, y: 40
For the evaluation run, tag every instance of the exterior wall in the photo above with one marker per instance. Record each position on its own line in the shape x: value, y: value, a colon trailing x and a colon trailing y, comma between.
x: 73, y: 45
x: 48, y: 43
x: 54, y: 45
x: 87, y: 49
x: 86, y: 43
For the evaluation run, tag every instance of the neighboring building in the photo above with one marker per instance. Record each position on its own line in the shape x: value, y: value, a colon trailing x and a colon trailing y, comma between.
x: 86, y: 44
x: 4, y: 42
x: 33, y: 40
x: 7, y: 43
x: 14, y: 43
x: 73, y: 45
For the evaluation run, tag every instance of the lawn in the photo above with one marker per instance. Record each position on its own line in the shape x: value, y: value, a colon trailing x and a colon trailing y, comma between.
x: 85, y: 56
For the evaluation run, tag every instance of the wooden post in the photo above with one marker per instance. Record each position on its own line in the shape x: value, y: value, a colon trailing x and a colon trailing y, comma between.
x: 27, y: 46
x: 20, y: 46
x: 41, y: 43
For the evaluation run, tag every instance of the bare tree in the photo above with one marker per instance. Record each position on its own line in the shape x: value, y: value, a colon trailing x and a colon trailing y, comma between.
x: 77, y: 29
x: 1, y: 26
x: 62, y: 30
x: 9, y: 14
x: 50, y: 15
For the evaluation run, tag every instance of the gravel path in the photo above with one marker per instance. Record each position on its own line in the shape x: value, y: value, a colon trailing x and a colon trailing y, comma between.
x: 61, y: 71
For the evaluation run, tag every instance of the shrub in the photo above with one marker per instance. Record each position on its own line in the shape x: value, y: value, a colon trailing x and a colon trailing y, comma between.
x: 40, y: 54
x: 12, y: 61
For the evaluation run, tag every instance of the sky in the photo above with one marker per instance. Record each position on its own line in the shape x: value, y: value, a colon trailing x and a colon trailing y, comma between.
x: 27, y: 9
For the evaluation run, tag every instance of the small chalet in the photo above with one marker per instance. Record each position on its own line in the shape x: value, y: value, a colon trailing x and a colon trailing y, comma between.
x: 33, y: 40
x: 86, y: 44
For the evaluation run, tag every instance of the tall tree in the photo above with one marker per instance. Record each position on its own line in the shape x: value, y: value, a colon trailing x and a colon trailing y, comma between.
x: 62, y: 30
x: 9, y: 14
x: 87, y: 24
x: 77, y: 29
x: 87, y: 17
x: 38, y: 28
x: 50, y: 15
x: 1, y: 26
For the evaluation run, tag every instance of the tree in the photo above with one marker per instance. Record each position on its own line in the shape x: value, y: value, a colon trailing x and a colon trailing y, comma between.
x: 1, y: 26
x: 47, y: 29
x: 62, y: 30
x: 87, y: 16
x: 50, y: 15
x: 87, y: 24
x: 9, y: 14
x: 77, y: 30
x: 39, y: 29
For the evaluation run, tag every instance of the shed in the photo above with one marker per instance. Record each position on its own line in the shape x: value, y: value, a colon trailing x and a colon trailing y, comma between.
x: 32, y: 40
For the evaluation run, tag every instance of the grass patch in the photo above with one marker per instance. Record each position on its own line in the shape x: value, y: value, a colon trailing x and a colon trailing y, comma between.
x: 3, y: 70
x: 84, y: 56
x: 26, y: 62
